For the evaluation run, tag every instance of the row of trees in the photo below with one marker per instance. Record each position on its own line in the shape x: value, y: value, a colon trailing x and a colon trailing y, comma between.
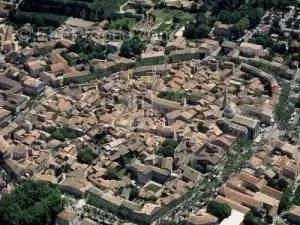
x: 283, y: 109
x: 90, y: 10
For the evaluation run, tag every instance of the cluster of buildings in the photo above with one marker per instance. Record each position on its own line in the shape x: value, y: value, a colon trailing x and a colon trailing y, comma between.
x: 125, y: 110
x: 125, y: 119
x: 257, y: 187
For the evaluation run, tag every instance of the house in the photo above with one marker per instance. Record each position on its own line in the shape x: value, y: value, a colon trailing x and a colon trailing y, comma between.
x: 75, y: 186
x: 263, y: 113
x: 294, y: 214
x: 15, y: 103
x: 164, y: 106
x: 5, y: 116
x: 10, y: 86
x: 33, y: 86
x: 228, y: 46
x: 251, y: 50
x: 222, y: 30
x: 251, y: 124
x: 176, y: 44
x: 36, y: 67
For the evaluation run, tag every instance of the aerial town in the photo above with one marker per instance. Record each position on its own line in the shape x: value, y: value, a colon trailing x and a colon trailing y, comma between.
x: 139, y: 112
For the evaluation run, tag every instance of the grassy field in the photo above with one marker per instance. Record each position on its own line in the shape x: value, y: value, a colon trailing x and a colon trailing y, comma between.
x: 170, y: 18
x: 169, y: 14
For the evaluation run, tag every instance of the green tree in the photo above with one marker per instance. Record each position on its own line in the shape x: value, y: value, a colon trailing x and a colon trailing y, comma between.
x: 286, y: 200
x: 86, y: 156
x: 252, y: 218
x: 167, y: 148
x: 114, y: 173
x: 219, y: 210
x: 263, y: 40
x: 132, y: 47
x: 297, y: 196
x: 62, y: 133
x: 31, y: 203
x: 240, y: 27
x: 197, y: 29
x: 255, y: 16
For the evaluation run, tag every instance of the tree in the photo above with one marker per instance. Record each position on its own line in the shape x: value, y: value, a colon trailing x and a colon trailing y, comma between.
x: 255, y: 16
x: 114, y: 173
x: 31, y: 203
x: 286, y: 200
x: 62, y: 133
x: 241, y: 26
x: 197, y: 29
x: 132, y: 47
x: 134, y: 192
x: 263, y: 40
x: 297, y: 196
x: 252, y: 218
x: 167, y: 149
x: 220, y: 210
x: 86, y: 156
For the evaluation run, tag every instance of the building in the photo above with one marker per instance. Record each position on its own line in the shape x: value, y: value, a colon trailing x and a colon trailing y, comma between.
x: 36, y: 67
x: 5, y: 116
x: 251, y: 50
x: 33, y: 86
x: 251, y: 124
x: 294, y: 214
x: 263, y: 113
x: 222, y: 31
x: 228, y: 46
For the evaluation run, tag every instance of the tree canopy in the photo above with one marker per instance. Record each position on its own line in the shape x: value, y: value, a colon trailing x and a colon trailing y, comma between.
x: 219, y: 210
x: 197, y: 29
x: 86, y: 156
x: 132, y: 47
x: 286, y: 200
x: 31, y: 203
x: 167, y: 148
x: 252, y: 218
